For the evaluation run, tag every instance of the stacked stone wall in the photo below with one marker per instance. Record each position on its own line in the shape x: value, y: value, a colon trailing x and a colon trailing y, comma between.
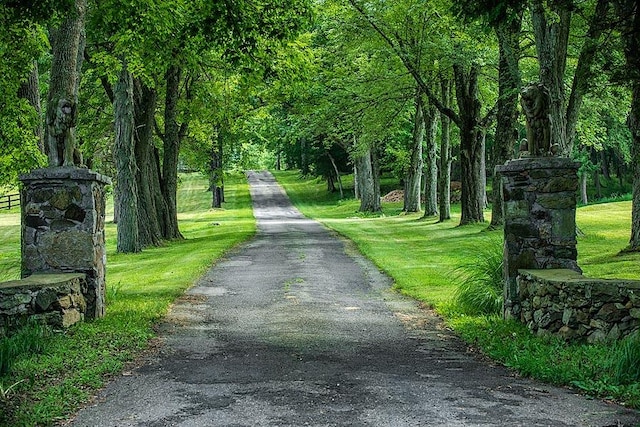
x: 565, y: 303
x: 63, y: 215
x: 55, y: 299
x: 539, y: 210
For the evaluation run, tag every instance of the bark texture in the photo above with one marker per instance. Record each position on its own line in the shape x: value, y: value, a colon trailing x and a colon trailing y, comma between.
x: 369, y: 195
x: 552, y: 39
x: 628, y: 11
x: 150, y: 200
x: 169, y: 183
x: 471, y: 144
x: 431, y: 162
x: 412, y: 180
x: 509, y: 84
x: 444, y: 171
x: 128, y: 238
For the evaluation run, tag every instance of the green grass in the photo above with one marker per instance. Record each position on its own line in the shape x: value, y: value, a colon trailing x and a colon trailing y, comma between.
x: 140, y: 288
x: 422, y: 256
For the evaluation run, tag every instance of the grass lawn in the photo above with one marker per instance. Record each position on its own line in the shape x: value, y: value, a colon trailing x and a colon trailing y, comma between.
x: 140, y: 288
x: 422, y: 255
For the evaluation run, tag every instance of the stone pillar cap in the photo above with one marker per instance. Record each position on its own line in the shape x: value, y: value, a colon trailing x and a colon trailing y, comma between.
x: 65, y: 172
x: 546, y: 162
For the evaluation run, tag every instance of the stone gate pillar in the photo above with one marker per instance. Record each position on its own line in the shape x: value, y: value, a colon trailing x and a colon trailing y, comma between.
x: 63, y: 215
x: 540, y: 219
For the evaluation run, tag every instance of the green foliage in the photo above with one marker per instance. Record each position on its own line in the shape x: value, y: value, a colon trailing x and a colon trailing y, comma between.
x: 481, y: 281
x: 31, y: 338
x: 626, y: 366
x: 21, y: 43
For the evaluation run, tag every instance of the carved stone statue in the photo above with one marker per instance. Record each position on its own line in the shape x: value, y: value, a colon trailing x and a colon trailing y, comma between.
x: 535, y: 101
x: 61, y: 139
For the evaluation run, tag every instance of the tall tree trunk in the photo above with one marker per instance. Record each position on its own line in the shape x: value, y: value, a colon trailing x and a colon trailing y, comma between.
x: 444, y: 176
x: 584, y: 199
x: 552, y: 39
x: 304, y: 159
x: 63, y: 93
x: 147, y: 176
x: 128, y: 238
x: 30, y: 90
x: 215, y: 172
x: 412, y: 179
x: 369, y: 197
x: 431, y: 164
x: 471, y: 147
x: 171, y: 151
x: 634, y: 127
x: 628, y: 11
x: 509, y: 86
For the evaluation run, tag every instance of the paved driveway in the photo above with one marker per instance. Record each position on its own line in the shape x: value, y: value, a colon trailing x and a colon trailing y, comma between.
x: 296, y: 329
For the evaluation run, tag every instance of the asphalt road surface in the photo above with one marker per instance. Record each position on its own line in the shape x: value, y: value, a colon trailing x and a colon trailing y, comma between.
x: 295, y: 328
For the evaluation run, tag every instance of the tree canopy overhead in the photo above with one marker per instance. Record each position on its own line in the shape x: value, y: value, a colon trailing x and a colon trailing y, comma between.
x: 328, y: 86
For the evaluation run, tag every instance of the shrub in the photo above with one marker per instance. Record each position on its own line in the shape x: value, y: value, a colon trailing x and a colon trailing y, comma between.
x: 480, y: 281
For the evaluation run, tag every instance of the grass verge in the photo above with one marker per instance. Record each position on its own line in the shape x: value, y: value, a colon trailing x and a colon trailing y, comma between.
x: 422, y: 256
x: 45, y: 388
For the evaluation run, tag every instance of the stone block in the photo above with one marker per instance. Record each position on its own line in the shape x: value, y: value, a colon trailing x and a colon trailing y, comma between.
x: 560, y: 183
x: 556, y: 201
x: 70, y: 317
x: 71, y: 249
x: 45, y: 298
x: 65, y: 301
x: 635, y: 313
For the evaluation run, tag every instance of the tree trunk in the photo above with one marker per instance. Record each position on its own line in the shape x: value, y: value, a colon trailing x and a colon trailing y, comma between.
x: 552, y: 38
x: 304, y: 160
x: 62, y: 99
x: 369, y: 197
x: 412, y: 179
x: 596, y: 183
x: 171, y: 150
x: 431, y: 164
x: 444, y: 179
x: 147, y: 176
x: 629, y: 13
x: 215, y: 172
x: 634, y: 127
x: 583, y: 188
x: 335, y: 169
x: 509, y: 86
x: 124, y: 155
x: 471, y: 147
x: 30, y: 90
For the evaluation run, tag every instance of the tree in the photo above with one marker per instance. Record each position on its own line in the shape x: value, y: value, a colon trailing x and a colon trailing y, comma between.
x: 505, y: 17
x: 67, y: 45
x: 22, y: 42
x: 128, y: 228
x: 630, y: 30
x: 472, y: 125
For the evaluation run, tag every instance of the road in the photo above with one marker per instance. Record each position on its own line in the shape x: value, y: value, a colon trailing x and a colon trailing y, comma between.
x: 295, y: 328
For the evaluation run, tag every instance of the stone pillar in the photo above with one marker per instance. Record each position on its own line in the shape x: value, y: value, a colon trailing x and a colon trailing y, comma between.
x: 540, y: 219
x: 63, y: 215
